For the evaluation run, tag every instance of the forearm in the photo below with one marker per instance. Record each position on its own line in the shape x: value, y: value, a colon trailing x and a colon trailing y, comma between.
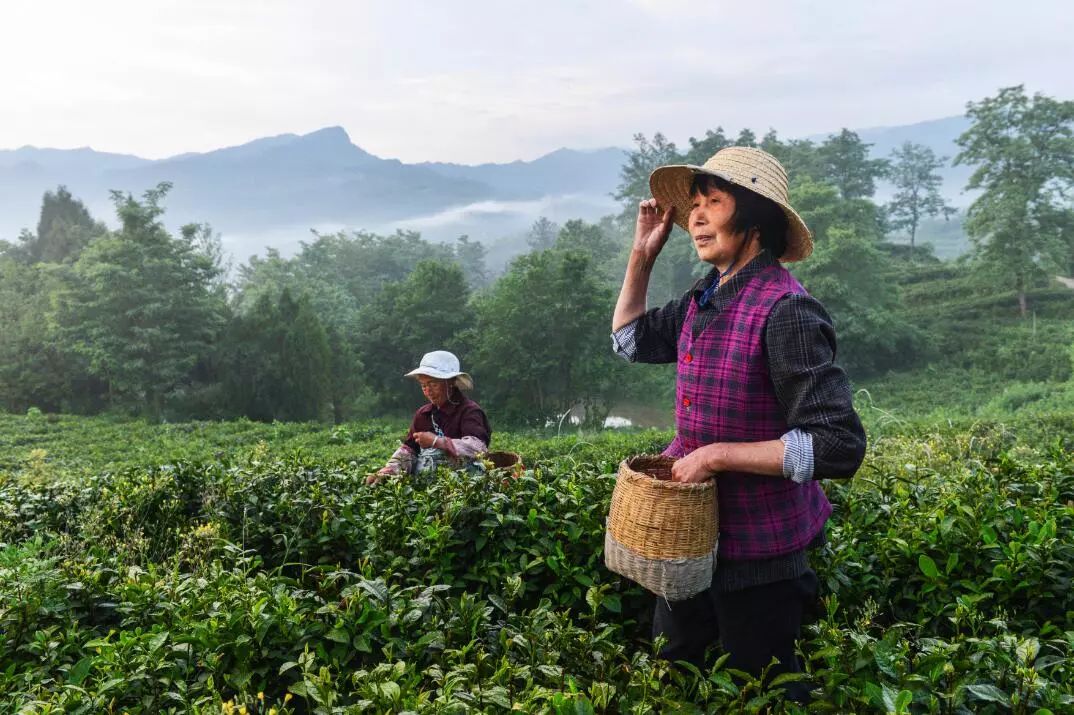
x: 764, y: 458
x: 401, y: 461
x: 464, y: 447
x: 631, y: 302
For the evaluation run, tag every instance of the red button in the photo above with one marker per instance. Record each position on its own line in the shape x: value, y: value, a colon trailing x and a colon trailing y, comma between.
x: 686, y: 402
x: 689, y: 357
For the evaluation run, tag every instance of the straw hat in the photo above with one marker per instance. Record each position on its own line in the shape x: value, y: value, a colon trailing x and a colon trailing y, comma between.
x: 747, y: 167
x: 443, y: 366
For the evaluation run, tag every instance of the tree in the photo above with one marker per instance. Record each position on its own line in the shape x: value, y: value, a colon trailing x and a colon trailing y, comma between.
x: 634, y: 176
x: 853, y: 278
x: 251, y: 373
x: 917, y: 189
x: 595, y: 242
x: 427, y: 310
x: 1023, y: 151
x: 746, y: 137
x: 140, y: 306
x: 845, y: 164
x: 470, y: 255
x: 542, y: 235
x: 540, y: 344
x: 304, y: 361
x: 800, y: 157
x: 701, y: 150
x: 35, y: 369
x: 64, y: 228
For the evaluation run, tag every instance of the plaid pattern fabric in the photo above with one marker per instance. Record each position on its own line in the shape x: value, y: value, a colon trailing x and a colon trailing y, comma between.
x: 799, y: 342
x: 724, y: 394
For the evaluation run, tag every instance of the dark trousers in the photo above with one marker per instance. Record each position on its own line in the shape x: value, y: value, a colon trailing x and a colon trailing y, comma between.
x: 753, y: 625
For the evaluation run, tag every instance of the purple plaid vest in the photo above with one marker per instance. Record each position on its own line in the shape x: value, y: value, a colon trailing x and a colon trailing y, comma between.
x: 724, y: 394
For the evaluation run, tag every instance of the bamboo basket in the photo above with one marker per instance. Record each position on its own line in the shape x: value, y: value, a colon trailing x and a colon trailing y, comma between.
x: 508, y: 461
x: 662, y: 534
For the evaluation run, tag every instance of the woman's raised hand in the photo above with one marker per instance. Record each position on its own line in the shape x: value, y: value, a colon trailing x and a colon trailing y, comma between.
x: 652, y: 228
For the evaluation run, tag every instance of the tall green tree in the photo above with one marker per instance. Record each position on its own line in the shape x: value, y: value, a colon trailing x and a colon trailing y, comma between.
x: 540, y: 344
x: 470, y: 255
x: 913, y: 171
x: 251, y: 373
x: 304, y: 362
x: 854, y: 280
x: 701, y: 150
x: 634, y: 176
x: 35, y: 369
x: 542, y: 234
x: 1023, y: 153
x: 140, y: 306
x: 845, y: 164
x: 678, y: 265
x: 64, y: 228
x: 427, y: 310
x: 594, y: 241
x: 800, y: 157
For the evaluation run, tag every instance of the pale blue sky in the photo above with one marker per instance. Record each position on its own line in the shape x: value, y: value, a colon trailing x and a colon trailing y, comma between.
x: 496, y: 81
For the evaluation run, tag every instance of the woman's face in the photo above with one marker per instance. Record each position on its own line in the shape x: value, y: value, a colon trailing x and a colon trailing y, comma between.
x: 435, y: 391
x: 710, y: 227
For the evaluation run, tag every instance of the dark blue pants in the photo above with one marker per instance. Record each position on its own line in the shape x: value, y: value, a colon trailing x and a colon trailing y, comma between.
x: 752, y: 625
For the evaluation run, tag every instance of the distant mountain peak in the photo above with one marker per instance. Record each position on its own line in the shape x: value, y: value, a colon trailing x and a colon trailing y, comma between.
x: 334, y: 134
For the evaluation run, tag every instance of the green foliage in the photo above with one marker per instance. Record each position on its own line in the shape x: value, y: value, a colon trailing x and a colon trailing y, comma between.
x: 64, y: 228
x: 425, y: 311
x: 470, y: 255
x: 634, y: 176
x: 542, y: 234
x: 845, y: 164
x: 798, y: 156
x: 917, y: 189
x: 1020, y: 148
x: 304, y: 360
x: 852, y: 277
x: 35, y: 370
x: 139, y: 305
x: 277, y: 362
x: 234, y: 565
x: 540, y: 340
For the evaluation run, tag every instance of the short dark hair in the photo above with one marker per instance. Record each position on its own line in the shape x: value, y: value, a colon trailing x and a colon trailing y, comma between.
x: 751, y: 211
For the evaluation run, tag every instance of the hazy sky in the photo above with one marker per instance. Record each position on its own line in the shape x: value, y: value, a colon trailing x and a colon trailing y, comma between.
x: 473, y: 81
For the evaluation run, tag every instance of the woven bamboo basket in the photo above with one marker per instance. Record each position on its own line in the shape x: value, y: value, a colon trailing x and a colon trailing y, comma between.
x: 508, y: 461
x: 662, y: 534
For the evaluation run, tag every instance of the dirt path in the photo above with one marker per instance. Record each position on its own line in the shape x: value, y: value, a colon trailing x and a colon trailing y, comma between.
x: 1068, y: 282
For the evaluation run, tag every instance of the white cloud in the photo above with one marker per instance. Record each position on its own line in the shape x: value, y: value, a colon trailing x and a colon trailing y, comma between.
x: 492, y: 81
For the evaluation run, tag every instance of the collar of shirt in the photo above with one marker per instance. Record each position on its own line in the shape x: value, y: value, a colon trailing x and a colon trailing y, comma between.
x: 448, y: 408
x: 707, y: 298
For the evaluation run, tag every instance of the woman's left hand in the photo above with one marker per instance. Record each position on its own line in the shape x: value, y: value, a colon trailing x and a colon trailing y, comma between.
x: 425, y: 440
x: 695, y: 467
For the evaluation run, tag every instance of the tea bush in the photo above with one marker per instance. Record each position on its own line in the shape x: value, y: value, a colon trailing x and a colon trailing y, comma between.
x: 239, y: 567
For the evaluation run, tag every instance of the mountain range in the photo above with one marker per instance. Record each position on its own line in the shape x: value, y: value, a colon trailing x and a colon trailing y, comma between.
x: 272, y: 191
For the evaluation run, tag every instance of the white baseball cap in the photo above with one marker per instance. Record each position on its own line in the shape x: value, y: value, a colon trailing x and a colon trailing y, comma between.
x: 443, y: 366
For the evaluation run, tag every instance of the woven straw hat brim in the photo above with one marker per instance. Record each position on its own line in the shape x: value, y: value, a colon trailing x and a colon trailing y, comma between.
x: 670, y: 186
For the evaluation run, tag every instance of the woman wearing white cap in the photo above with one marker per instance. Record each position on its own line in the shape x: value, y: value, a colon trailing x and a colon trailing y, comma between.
x: 451, y: 429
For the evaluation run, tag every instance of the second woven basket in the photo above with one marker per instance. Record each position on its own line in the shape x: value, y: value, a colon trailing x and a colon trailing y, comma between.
x: 662, y: 534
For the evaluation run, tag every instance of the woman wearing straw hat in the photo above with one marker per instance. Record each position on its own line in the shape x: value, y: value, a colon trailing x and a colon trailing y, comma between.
x: 451, y: 429
x: 760, y: 404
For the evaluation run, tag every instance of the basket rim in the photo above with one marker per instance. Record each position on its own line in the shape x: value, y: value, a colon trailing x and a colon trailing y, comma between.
x: 629, y: 473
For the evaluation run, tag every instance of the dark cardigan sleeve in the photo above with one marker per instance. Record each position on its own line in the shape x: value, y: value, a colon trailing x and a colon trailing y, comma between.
x: 656, y: 332
x: 813, y: 390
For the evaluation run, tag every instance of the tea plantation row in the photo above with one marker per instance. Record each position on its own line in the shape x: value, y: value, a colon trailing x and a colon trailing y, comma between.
x: 238, y: 567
